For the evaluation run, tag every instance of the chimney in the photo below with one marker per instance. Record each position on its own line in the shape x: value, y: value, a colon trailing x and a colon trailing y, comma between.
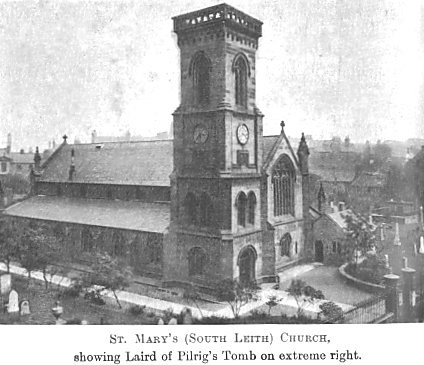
x: 332, y: 207
x: 382, y: 238
x: 93, y: 136
x: 342, y: 206
x: 37, y: 159
x: 22, y: 151
x: 421, y: 216
x: 9, y: 143
x: 53, y: 144
x: 72, y: 167
x: 396, y: 241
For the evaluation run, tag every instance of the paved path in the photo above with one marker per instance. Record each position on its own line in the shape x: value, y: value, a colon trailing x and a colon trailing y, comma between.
x: 329, y: 281
x: 320, y: 277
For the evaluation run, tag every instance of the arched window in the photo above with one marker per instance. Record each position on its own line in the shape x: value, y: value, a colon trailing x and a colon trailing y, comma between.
x: 190, y: 208
x: 251, y: 207
x: 285, y: 244
x: 87, y: 243
x: 196, y: 261
x: 240, y: 68
x: 241, y: 203
x: 283, y: 179
x: 200, y: 70
x: 205, y: 207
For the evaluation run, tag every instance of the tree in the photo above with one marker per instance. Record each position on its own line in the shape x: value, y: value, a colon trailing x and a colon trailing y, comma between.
x: 9, y: 242
x: 272, y: 302
x: 191, y: 295
x: 37, y: 250
x: 107, y: 274
x: 359, y: 237
x: 236, y: 294
x: 303, y: 294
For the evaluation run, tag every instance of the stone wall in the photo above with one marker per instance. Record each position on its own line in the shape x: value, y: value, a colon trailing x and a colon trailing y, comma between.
x: 142, y: 251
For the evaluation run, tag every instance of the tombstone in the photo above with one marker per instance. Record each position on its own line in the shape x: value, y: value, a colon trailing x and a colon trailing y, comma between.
x: 13, y: 305
x: 187, y: 316
x: 161, y: 322
x: 172, y: 321
x: 24, y: 307
x: 5, y: 284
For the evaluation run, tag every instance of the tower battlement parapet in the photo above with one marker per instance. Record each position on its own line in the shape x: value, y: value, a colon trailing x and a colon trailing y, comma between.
x: 219, y: 14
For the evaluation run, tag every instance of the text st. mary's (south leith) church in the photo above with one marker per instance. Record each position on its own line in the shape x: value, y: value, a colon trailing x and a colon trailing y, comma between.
x: 218, y: 201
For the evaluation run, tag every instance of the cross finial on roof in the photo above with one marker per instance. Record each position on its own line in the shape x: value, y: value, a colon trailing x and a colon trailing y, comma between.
x: 65, y: 137
x: 282, y: 125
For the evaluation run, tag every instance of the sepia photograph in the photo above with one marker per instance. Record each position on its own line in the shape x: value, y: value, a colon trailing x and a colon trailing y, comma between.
x: 197, y: 162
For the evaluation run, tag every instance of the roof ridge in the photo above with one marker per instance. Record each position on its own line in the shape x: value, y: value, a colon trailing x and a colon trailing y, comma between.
x: 115, y: 142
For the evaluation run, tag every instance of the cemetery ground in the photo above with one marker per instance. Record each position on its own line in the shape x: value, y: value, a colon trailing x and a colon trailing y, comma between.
x: 163, y: 306
x: 75, y: 308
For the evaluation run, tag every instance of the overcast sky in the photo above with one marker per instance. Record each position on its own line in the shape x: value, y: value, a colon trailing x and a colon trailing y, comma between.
x: 327, y: 67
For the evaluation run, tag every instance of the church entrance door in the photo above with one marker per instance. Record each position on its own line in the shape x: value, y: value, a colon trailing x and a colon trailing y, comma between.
x: 246, y: 262
x: 319, y: 251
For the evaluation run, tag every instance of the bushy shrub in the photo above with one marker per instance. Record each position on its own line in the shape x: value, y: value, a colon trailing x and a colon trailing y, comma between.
x: 371, y: 270
x: 258, y: 318
x: 72, y: 291
x: 95, y: 297
x: 331, y: 311
x: 136, y: 310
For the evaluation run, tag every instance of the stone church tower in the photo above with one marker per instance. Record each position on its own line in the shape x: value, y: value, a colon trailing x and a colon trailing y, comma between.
x: 218, y: 215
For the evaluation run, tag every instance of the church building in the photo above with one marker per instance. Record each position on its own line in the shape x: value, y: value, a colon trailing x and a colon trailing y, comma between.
x: 218, y: 201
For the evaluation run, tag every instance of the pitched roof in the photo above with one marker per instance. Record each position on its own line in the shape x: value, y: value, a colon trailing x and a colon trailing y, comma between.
x: 133, y: 215
x: 370, y: 179
x: 22, y: 158
x: 126, y: 163
x: 339, y: 217
x: 269, y: 142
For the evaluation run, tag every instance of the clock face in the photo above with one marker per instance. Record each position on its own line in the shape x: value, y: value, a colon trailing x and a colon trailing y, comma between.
x: 200, y: 134
x: 242, y: 134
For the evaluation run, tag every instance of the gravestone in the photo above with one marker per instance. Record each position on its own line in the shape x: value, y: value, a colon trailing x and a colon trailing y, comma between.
x: 187, y: 317
x: 172, y: 321
x: 161, y: 322
x: 13, y: 305
x: 24, y: 307
x: 5, y: 284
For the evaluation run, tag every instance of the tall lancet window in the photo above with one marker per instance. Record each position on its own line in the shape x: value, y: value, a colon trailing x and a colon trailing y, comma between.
x: 283, y: 180
x: 200, y: 70
x: 241, y: 73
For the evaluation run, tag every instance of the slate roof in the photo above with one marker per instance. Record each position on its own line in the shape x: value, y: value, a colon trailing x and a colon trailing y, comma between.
x: 269, y: 142
x: 22, y: 158
x: 132, y: 215
x: 334, y: 175
x: 122, y: 163
x: 339, y: 217
x: 370, y: 179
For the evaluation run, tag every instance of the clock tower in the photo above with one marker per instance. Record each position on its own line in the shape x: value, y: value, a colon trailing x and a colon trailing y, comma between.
x: 218, y: 228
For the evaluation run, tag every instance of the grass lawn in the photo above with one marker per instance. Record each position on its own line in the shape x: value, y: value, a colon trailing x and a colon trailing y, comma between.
x: 42, y: 301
